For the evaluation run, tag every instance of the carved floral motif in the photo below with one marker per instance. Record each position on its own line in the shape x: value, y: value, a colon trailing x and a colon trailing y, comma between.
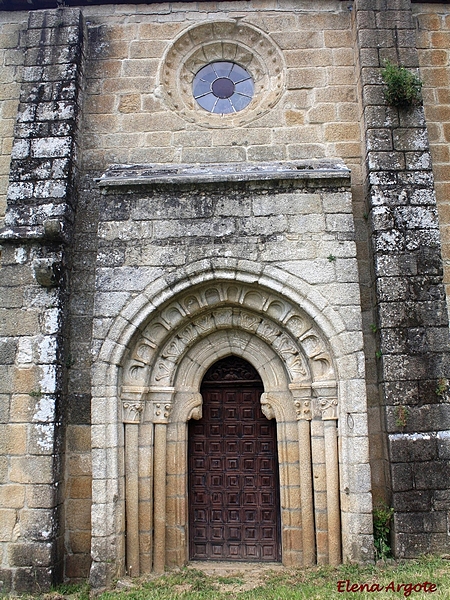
x: 131, y: 411
x: 328, y: 406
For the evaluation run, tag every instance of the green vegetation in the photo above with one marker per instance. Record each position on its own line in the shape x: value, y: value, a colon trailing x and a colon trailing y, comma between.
x: 442, y: 386
x: 401, y: 414
x: 319, y: 583
x: 403, y: 88
x: 382, y: 516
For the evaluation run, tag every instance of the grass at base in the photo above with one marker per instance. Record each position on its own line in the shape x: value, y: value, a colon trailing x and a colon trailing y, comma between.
x: 318, y: 583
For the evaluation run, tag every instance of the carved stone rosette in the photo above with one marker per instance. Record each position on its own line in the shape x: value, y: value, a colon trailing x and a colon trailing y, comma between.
x: 235, y: 41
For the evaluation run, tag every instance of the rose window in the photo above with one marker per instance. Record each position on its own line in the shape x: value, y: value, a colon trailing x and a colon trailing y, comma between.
x: 223, y: 87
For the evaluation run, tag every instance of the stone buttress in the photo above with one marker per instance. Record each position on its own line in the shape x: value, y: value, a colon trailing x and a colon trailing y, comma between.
x: 39, y: 219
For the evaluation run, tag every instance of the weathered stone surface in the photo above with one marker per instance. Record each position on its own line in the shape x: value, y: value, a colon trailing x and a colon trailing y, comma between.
x: 405, y: 300
x: 87, y: 266
x: 39, y: 215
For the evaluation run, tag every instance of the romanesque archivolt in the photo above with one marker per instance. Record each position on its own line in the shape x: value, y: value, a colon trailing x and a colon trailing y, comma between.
x: 230, y: 41
x: 161, y: 389
x: 169, y: 335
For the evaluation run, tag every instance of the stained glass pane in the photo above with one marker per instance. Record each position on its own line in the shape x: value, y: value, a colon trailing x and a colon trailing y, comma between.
x: 222, y: 69
x: 201, y: 87
x: 245, y: 87
x: 223, y: 87
x: 208, y: 102
x: 239, y: 102
x: 238, y: 74
x: 223, y: 107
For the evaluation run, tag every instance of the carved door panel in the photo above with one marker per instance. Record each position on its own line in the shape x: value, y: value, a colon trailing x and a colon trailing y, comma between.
x: 233, y: 472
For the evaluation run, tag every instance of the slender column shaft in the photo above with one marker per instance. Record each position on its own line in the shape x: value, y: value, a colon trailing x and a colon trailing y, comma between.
x: 306, y: 492
x: 332, y: 477
x: 132, y: 498
x: 159, y: 495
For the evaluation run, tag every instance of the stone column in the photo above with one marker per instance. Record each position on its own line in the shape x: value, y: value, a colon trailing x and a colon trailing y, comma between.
x: 161, y: 409
x: 412, y: 337
x: 302, y: 402
x: 132, y: 409
x: 328, y: 405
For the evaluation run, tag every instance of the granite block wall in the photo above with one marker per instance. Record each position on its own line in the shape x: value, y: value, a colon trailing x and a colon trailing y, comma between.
x: 94, y: 87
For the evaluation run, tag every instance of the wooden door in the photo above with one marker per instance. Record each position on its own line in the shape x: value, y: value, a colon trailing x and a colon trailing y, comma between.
x: 233, y: 470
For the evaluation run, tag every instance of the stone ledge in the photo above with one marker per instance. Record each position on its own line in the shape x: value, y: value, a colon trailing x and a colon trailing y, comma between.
x: 136, y: 175
x: 51, y: 231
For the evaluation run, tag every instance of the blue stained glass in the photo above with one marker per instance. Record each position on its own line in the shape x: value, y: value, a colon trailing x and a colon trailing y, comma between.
x: 240, y: 102
x: 238, y: 74
x: 245, y: 87
x: 208, y: 74
x: 208, y: 102
x: 222, y: 69
x: 201, y: 87
x: 223, y: 87
x: 224, y: 107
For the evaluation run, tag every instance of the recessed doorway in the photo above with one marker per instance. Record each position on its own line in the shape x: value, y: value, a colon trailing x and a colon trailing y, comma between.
x: 234, y: 507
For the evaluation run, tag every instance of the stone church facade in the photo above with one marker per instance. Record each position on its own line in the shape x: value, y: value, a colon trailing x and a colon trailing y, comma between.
x: 224, y: 320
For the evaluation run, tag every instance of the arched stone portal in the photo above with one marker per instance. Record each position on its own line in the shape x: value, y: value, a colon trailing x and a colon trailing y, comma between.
x: 159, y: 378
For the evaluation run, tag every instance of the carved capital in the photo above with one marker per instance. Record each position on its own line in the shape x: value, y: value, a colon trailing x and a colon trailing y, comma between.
x: 161, y: 412
x: 160, y: 404
x: 132, y: 410
x: 303, y: 409
x: 328, y: 406
x: 132, y: 403
x: 302, y: 400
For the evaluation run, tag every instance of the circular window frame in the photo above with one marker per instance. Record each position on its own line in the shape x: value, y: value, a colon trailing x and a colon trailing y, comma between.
x: 197, y: 47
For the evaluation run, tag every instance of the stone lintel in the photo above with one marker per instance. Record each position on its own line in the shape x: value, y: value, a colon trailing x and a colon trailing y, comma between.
x: 174, y: 174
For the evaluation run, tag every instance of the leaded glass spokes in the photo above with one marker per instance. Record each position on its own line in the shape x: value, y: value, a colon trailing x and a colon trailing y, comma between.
x: 223, y: 87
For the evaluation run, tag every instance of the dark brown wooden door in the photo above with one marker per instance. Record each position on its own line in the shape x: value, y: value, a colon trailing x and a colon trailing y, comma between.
x: 233, y: 470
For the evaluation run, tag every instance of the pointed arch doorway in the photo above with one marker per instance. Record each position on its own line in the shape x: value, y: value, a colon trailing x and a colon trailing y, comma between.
x: 234, y: 506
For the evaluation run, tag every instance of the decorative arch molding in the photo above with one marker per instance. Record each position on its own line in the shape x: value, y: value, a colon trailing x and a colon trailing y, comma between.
x: 293, y: 339
x: 228, y: 306
x: 137, y: 313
